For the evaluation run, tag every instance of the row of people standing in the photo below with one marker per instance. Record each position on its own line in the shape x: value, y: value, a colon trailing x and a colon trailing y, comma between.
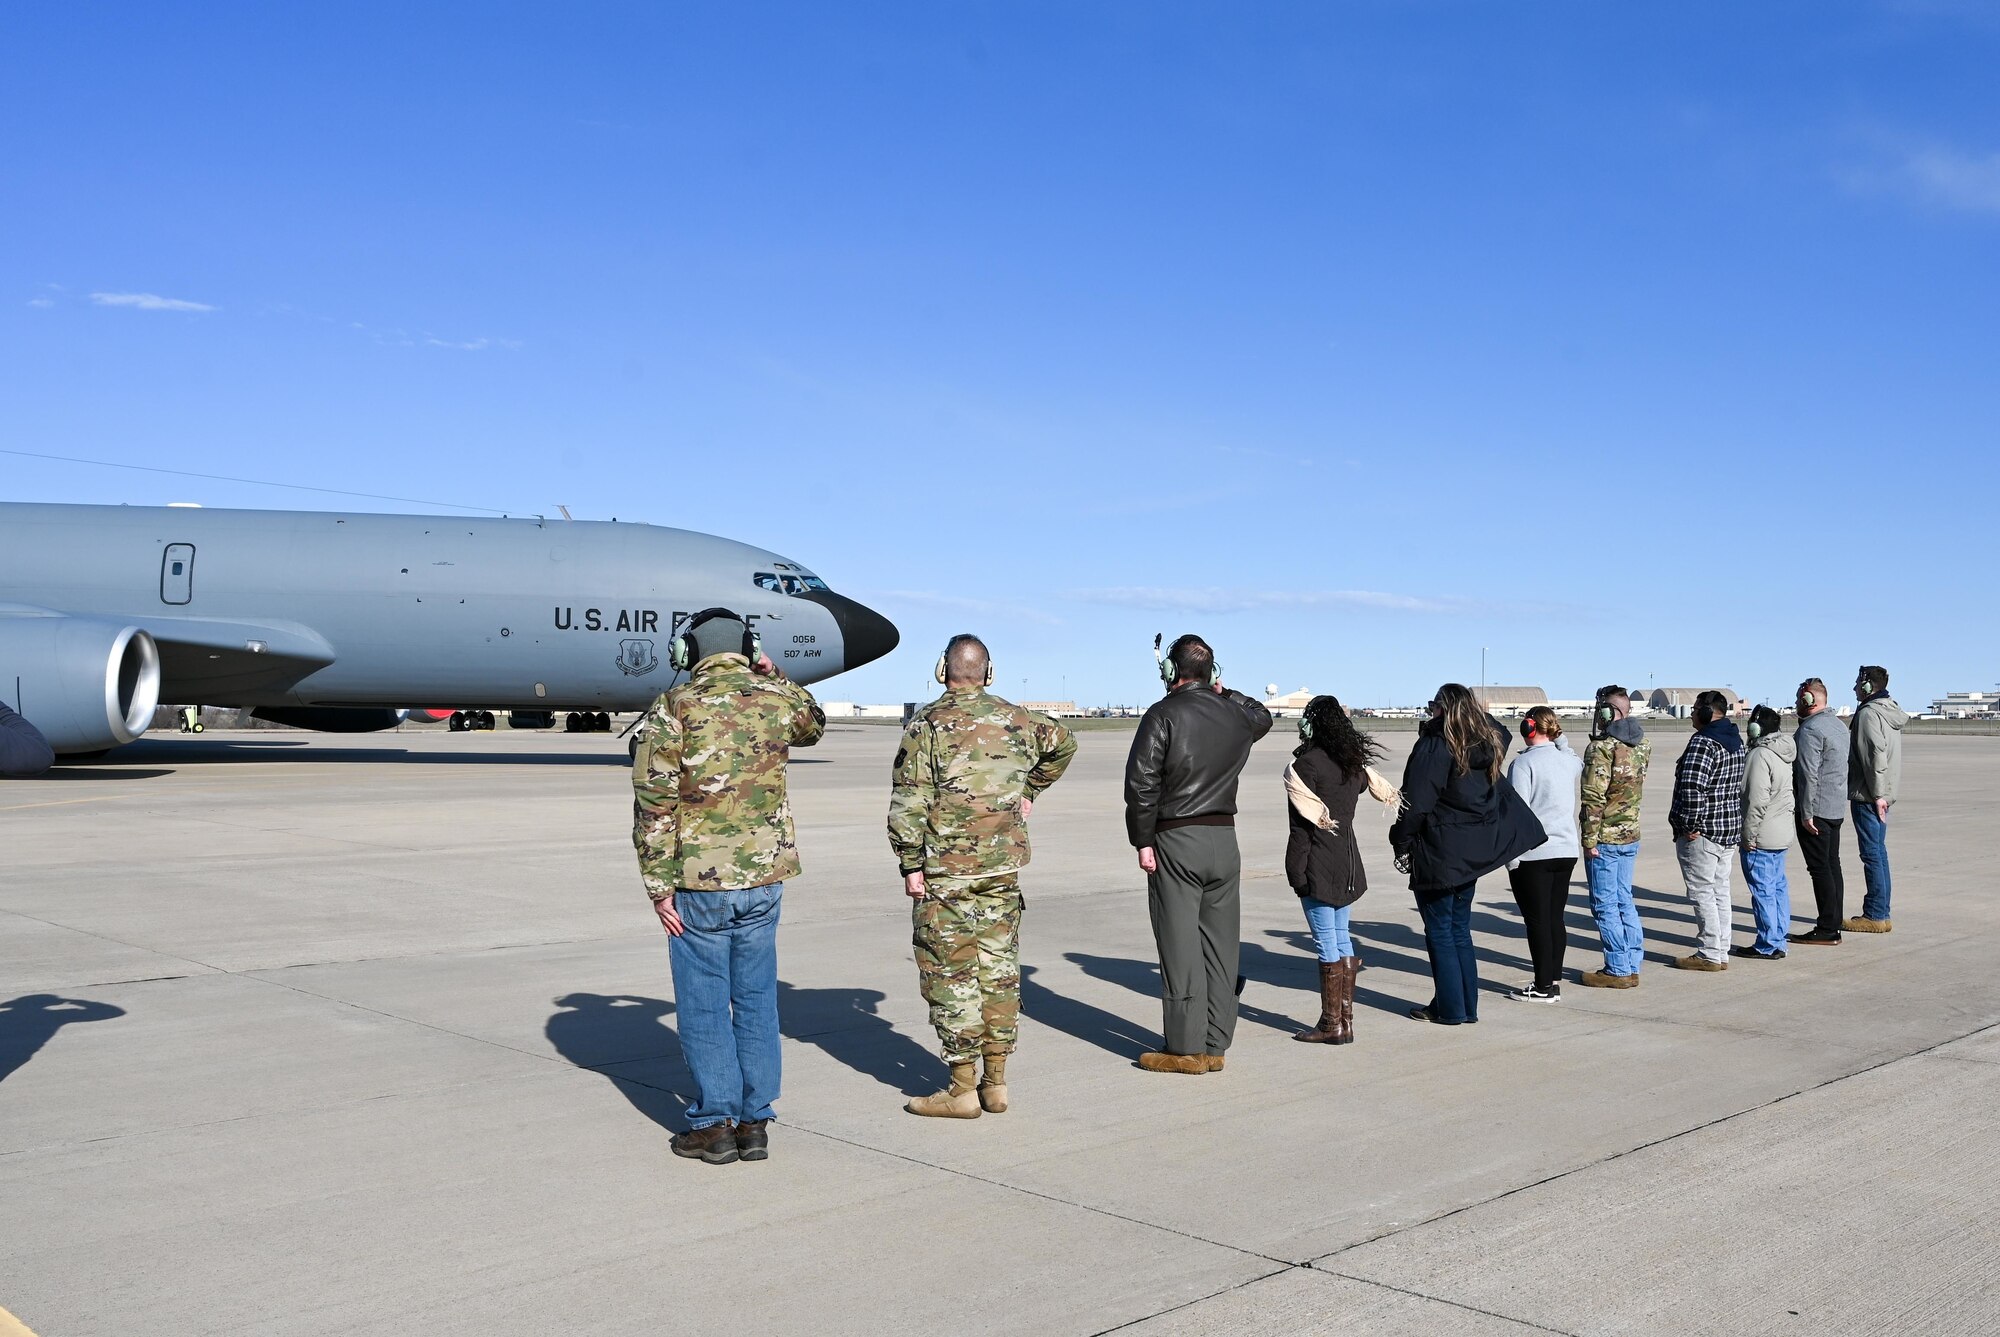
x: 1733, y: 803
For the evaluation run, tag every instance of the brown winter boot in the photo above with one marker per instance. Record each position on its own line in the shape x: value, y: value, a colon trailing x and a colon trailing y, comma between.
x: 960, y: 1100
x: 1325, y: 1033
x: 1159, y: 1061
x: 1349, y: 966
x: 993, y: 1085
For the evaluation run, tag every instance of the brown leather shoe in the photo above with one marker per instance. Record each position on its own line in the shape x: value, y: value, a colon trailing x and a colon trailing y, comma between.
x: 1191, y: 1064
x: 713, y: 1145
x: 753, y: 1139
x: 1213, y: 1062
x: 1696, y: 961
x: 1863, y: 924
x: 1598, y: 979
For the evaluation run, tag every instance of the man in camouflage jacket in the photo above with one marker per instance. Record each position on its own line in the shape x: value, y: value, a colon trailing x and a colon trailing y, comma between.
x: 713, y: 828
x: 1614, y: 782
x: 967, y: 774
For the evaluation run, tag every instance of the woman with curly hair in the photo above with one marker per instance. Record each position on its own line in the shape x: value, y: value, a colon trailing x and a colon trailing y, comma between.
x: 1461, y: 821
x: 1331, y: 768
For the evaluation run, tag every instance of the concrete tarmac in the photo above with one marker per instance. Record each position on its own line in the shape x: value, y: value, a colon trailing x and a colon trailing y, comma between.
x: 305, y: 1035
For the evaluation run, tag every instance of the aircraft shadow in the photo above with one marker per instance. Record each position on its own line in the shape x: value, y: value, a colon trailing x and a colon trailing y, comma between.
x: 597, y: 1031
x: 31, y: 1021
x: 67, y: 771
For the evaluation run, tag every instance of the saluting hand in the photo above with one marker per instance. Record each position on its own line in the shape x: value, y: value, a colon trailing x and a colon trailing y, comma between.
x: 764, y: 668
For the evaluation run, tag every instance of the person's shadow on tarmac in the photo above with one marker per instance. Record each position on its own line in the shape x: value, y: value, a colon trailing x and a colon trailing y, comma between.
x: 31, y: 1021
x: 848, y: 1026
x: 597, y: 1031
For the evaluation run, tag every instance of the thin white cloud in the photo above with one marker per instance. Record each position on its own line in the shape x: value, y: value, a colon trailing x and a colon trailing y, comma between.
x: 41, y: 302
x: 1954, y: 179
x: 147, y: 301
x: 470, y: 345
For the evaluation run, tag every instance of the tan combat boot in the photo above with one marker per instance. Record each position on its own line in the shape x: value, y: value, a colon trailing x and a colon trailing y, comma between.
x: 993, y: 1085
x: 1160, y: 1061
x: 960, y: 1100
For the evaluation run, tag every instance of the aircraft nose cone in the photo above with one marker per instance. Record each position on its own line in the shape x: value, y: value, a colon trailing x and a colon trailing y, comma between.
x: 865, y: 634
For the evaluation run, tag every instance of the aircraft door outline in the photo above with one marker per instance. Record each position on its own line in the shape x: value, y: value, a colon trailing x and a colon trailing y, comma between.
x: 177, y: 574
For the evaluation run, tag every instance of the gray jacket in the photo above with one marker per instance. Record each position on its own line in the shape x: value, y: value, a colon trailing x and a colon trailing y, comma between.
x: 1819, y: 776
x: 1767, y: 793
x: 1875, y: 762
x: 1545, y: 776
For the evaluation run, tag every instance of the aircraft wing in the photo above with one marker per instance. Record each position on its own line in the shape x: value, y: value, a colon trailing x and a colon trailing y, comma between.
x: 207, y: 659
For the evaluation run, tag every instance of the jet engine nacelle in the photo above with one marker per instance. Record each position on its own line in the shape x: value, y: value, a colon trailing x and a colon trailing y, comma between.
x: 88, y: 683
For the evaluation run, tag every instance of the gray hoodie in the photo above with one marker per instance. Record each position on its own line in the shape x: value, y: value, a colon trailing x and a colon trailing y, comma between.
x: 1819, y: 776
x: 1875, y: 762
x: 1767, y: 793
x: 1545, y: 777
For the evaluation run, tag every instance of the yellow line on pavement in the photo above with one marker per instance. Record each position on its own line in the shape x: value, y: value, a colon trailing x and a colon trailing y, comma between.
x: 13, y: 1327
x: 56, y: 803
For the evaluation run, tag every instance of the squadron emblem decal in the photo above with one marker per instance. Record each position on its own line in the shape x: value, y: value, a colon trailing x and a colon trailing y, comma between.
x: 636, y: 658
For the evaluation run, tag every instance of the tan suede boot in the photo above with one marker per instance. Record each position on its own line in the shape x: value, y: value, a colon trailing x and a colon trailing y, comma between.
x: 960, y: 1100
x: 993, y: 1085
x: 1191, y: 1064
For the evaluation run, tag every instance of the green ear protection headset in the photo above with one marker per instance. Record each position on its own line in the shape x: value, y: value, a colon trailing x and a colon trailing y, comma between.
x: 1170, y: 672
x: 945, y: 654
x: 680, y: 651
x: 1756, y: 731
x: 1306, y: 728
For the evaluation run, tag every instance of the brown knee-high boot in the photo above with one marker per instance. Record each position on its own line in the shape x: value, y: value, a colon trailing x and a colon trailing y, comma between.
x: 1344, y: 1031
x: 1329, y: 1006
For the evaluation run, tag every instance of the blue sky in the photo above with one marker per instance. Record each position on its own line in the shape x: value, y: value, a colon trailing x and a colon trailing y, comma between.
x: 1629, y: 342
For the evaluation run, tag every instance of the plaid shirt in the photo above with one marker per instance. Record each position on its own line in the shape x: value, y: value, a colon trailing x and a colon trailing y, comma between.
x: 1708, y: 791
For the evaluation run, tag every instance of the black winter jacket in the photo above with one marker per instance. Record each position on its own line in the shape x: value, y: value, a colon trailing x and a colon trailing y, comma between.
x: 23, y: 750
x: 1185, y: 758
x: 1326, y: 865
x: 1458, y: 828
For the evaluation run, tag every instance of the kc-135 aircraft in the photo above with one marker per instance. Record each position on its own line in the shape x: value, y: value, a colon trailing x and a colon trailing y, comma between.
x: 343, y: 622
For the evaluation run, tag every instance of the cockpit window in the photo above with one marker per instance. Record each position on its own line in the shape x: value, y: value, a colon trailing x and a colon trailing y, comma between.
x: 788, y: 583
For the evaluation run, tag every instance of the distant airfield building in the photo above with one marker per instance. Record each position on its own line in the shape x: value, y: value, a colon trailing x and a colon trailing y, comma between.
x: 1285, y: 704
x: 1967, y: 705
x: 1057, y: 710
x: 855, y: 710
x: 1511, y: 700
x: 1679, y: 701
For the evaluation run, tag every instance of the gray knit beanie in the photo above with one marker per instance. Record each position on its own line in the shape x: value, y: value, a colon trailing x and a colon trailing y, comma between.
x: 721, y: 634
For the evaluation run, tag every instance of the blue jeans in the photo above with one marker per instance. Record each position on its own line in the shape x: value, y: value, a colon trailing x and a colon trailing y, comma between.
x: 1770, y: 897
x: 1329, y: 929
x: 1871, y: 833
x: 1448, y: 939
x: 726, y: 1000
x: 1610, y: 878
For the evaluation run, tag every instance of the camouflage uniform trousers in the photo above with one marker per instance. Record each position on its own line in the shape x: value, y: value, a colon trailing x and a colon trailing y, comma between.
x: 968, y: 941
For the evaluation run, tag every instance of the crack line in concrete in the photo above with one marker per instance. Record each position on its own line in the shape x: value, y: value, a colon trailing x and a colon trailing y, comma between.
x: 1655, y: 1142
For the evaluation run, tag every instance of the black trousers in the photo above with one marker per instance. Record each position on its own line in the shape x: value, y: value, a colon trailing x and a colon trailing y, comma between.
x: 1822, y: 854
x: 1541, y: 889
